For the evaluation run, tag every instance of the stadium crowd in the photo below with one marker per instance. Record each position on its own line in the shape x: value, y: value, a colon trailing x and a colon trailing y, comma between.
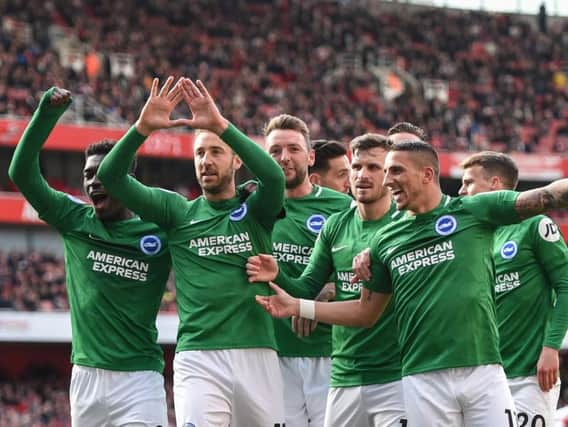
x: 35, y: 281
x: 40, y: 398
x: 505, y: 80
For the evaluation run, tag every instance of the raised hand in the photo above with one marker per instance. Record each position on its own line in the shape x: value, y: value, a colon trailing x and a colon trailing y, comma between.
x: 280, y: 305
x: 55, y: 99
x: 59, y: 97
x: 159, y: 106
x: 205, y: 113
x: 261, y: 268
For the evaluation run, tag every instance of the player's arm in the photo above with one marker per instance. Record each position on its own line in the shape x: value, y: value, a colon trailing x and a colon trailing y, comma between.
x: 542, y: 199
x: 363, y: 312
x: 264, y: 268
x: 24, y: 168
x: 375, y: 296
x: 152, y: 204
x: 552, y: 255
x: 267, y: 201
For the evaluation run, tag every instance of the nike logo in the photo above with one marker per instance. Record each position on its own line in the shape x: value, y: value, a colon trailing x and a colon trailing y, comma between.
x: 338, y: 248
x: 93, y: 237
x: 391, y: 249
x: 196, y: 221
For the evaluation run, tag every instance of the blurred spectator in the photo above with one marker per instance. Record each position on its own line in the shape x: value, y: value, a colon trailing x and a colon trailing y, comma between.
x: 36, y: 282
x: 40, y: 398
x: 478, y: 81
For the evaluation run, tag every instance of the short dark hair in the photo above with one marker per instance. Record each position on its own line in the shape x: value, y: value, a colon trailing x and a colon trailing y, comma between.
x: 495, y: 164
x: 407, y: 127
x: 325, y: 150
x: 430, y: 156
x: 103, y: 147
x: 288, y: 122
x: 368, y: 141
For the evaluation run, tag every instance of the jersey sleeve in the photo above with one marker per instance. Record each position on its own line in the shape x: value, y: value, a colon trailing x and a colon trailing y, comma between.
x: 266, y: 202
x: 495, y: 207
x: 52, y: 206
x: 552, y: 254
x: 162, y: 207
x: 380, y: 278
x: 318, y: 271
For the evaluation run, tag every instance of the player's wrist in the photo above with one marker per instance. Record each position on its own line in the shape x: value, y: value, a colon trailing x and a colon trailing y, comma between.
x: 220, y: 126
x: 307, y: 309
x: 142, y: 129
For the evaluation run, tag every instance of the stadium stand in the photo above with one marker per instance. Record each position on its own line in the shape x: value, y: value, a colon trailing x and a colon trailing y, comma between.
x: 36, y: 282
x: 478, y: 81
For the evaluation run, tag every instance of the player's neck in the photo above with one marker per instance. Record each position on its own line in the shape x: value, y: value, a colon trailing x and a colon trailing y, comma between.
x: 301, y: 190
x: 428, y: 201
x: 225, y: 194
x: 121, y: 215
x: 375, y: 210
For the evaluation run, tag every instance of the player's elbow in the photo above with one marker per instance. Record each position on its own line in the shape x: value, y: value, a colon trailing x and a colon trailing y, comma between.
x: 15, y: 172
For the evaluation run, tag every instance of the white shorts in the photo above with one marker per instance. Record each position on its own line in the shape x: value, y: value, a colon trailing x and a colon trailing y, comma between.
x: 236, y: 387
x: 101, y: 398
x: 375, y: 405
x: 459, y: 397
x: 535, y: 408
x: 306, y: 383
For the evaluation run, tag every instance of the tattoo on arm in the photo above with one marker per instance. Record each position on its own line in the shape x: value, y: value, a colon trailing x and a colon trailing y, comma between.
x: 327, y: 293
x: 539, y: 200
x: 534, y: 202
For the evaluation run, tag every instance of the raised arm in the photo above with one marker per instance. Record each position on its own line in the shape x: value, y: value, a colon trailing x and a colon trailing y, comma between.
x: 152, y: 204
x: 24, y: 168
x: 267, y: 201
x: 540, y: 200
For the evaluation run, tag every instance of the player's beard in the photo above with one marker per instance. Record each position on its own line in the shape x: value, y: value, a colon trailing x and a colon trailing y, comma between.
x: 384, y: 192
x: 298, y: 179
x: 222, y: 183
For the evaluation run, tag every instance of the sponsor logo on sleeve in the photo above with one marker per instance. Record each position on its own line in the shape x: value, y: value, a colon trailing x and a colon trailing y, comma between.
x: 315, y: 223
x: 509, y: 249
x: 548, y: 230
x: 239, y: 213
x: 446, y: 225
x: 150, y: 244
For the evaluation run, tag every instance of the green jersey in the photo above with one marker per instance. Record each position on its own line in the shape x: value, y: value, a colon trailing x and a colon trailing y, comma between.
x: 439, y: 268
x: 360, y: 356
x: 293, y: 241
x: 531, y: 268
x: 115, y: 271
x: 210, y: 243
